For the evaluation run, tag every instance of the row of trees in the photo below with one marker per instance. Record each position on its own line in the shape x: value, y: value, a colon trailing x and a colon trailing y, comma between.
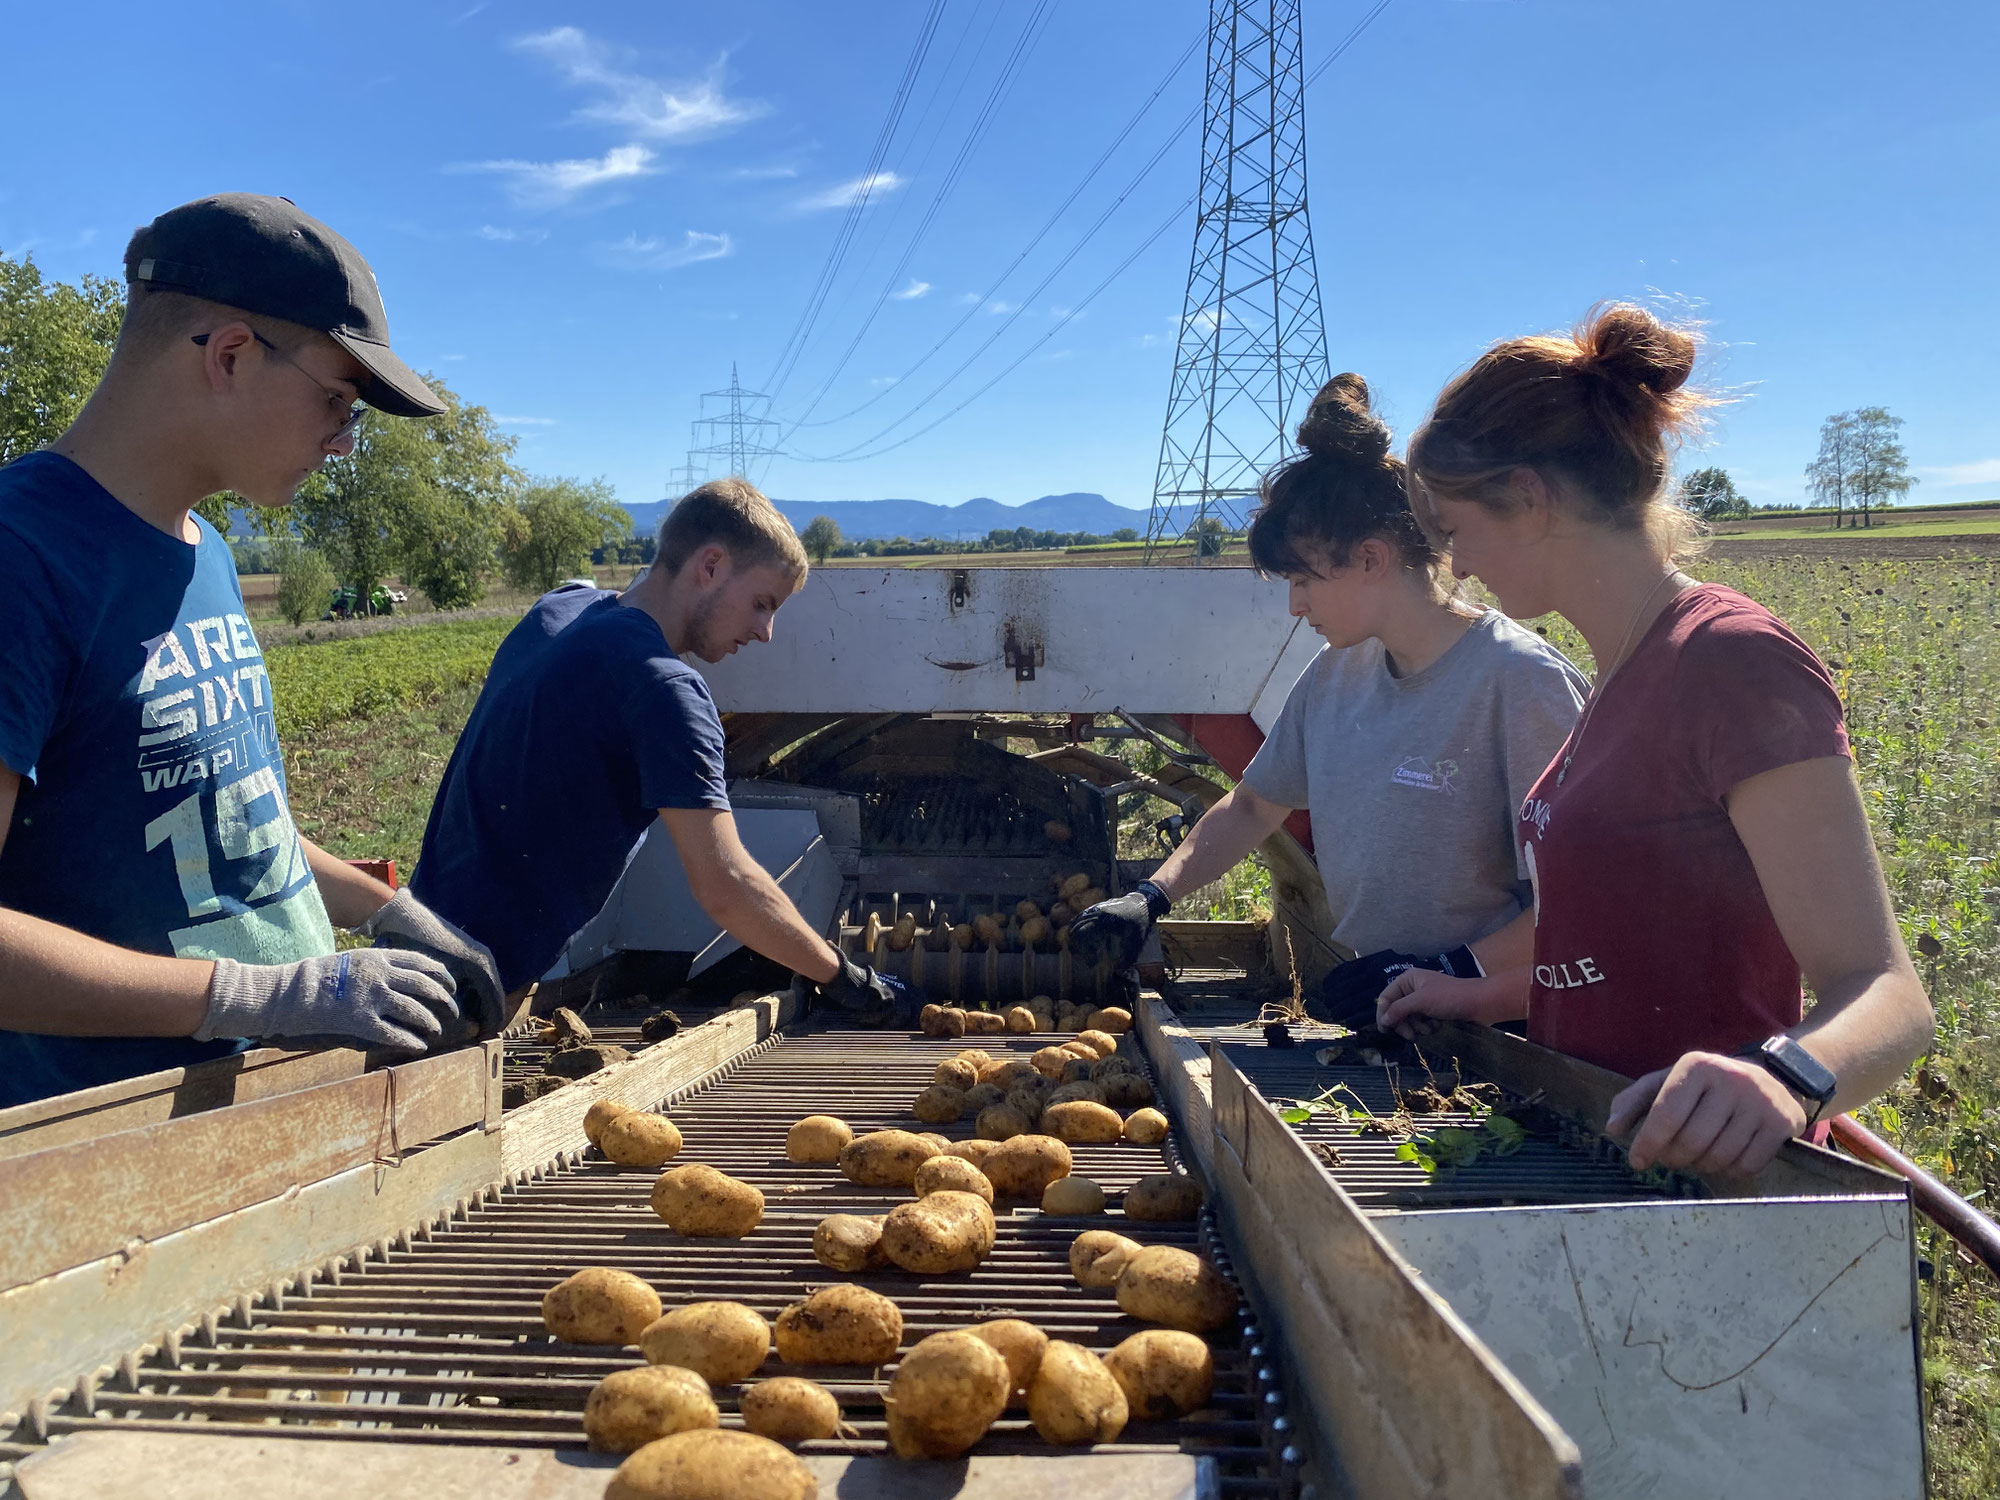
x: 436, y: 500
x: 822, y: 540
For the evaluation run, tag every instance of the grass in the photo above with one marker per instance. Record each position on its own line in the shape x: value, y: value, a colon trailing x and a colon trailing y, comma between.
x: 1981, y: 525
x: 1915, y: 647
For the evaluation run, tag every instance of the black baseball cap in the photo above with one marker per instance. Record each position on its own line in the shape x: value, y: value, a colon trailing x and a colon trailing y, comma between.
x: 264, y: 255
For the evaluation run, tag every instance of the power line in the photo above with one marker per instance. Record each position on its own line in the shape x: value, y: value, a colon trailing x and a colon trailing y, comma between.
x: 802, y: 331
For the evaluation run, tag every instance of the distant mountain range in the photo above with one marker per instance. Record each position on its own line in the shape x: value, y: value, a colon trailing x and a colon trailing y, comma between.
x: 920, y: 518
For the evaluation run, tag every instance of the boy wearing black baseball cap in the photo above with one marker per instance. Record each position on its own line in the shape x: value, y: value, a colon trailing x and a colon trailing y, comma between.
x: 156, y: 903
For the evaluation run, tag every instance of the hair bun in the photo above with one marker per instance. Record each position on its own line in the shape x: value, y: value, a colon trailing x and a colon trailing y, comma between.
x: 1630, y: 346
x: 1342, y: 424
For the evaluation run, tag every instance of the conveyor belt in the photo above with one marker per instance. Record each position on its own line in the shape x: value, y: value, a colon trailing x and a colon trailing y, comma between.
x: 441, y: 1340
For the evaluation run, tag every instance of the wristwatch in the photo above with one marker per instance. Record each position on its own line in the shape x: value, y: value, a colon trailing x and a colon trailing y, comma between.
x: 1797, y: 1069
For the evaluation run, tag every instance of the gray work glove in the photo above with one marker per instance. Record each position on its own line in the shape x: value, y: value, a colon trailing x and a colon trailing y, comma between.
x: 368, y: 998
x: 407, y: 923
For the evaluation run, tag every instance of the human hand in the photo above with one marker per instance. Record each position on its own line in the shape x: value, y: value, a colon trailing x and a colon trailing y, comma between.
x: 1350, y: 990
x: 876, y: 999
x: 369, y: 997
x: 1115, y: 930
x: 405, y: 922
x: 1419, y: 995
x: 1708, y: 1114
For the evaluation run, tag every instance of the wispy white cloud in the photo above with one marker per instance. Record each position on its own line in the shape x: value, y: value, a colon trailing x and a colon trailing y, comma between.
x: 524, y: 421
x: 873, y: 186
x: 1980, y: 471
x: 913, y: 291
x: 648, y: 107
x: 883, y: 379
x: 966, y: 299
x: 453, y: 357
x: 656, y: 254
x: 997, y: 308
x: 511, y: 236
x: 764, y: 174
x: 550, y: 184
x: 1148, y: 340
x: 1060, y: 354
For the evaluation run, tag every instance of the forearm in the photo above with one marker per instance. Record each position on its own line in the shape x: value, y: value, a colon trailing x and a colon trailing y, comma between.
x: 1218, y: 842
x: 352, y: 896
x: 751, y: 908
x: 1512, y: 947
x: 1868, y: 1032
x: 58, y: 982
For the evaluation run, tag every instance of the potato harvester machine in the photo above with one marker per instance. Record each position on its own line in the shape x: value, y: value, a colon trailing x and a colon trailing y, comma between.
x: 317, y: 1275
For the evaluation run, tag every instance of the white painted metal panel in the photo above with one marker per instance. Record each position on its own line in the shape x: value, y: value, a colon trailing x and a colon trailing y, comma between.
x: 896, y: 640
x: 1696, y: 1349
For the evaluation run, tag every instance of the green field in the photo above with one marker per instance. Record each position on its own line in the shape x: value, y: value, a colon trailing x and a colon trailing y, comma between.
x: 1914, y: 645
x: 1984, y: 524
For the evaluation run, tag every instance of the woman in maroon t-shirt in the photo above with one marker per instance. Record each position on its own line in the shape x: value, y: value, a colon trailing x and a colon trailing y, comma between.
x: 1699, y: 840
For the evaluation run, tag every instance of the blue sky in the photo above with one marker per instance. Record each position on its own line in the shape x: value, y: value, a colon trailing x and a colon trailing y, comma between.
x: 581, y: 215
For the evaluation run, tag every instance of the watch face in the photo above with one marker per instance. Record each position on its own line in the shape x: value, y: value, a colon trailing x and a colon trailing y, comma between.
x: 1799, y: 1069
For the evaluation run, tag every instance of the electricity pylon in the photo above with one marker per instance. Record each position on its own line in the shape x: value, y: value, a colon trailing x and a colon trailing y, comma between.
x: 1252, y: 339
x: 738, y: 437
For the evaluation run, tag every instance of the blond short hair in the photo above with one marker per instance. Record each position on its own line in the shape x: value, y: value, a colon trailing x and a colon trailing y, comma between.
x: 734, y: 515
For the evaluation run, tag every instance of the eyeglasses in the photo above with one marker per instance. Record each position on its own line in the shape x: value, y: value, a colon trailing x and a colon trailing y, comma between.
x: 339, y: 403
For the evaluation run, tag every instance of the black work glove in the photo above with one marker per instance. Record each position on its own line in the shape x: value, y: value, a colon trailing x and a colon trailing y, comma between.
x: 1115, y: 930
x: 871, y: 998
x: 1349, y: 991
x: 407, y: 923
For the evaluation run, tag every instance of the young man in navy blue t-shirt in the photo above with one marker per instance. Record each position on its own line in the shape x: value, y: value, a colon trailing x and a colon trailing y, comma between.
x: 157, y: 906
x: 590, y: 726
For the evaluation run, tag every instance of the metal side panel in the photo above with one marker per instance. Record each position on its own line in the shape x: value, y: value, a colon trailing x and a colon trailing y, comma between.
x: 1700, y: 1348
x: 1017, y: 640
x: 1403, y: 1399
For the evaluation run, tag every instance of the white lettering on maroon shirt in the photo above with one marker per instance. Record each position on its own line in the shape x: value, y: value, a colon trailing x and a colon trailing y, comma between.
x: 1573, y: 975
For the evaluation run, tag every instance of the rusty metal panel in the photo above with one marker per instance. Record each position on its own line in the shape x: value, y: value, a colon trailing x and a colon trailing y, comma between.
x: 1022, y: 640
x: 1700, y: 1348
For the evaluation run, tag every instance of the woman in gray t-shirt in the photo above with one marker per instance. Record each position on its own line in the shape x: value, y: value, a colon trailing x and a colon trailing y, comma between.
x: 1411, y: 738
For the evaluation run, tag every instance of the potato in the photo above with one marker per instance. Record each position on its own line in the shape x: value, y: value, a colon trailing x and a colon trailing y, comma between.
x: 712, y: 1465
x: 988, y: 929
x: 1080, y: 1049
x: 1126, y: 1090
x: 1036, y: 932
x: 962, y: 935
x: 951, y: 1022
x: 1024, y: 1166
x: 884, y: 1158
x: 1072, y: 1197
x: 849, y: 1242
x: 1029, y: 1102
x: 975, y: 1151
x: 720, y: 1341
x: 1050, y: 1062
x: 634, y: 1139
x: 1076, y: 1070
x: 1163, y: 1284
x: 1115, y: 1019
x: 600, y: 1114
x: 955, y: 1073
x: 631, y: 1408
x: 1074, y: 886
x: 939, y: 1104
x: 904, y: 933
x: 982, y: 1095
x: 943, y: 1232
x: 990, y: 1023
x: 1103, y: 1041
x: 1164, y: 1372
x: 1061, y: 915
x: 1163, y: 1197
x: 1027, y: 907
x: 927, y: 1019
x: 1083, y: 1089
x: 1002, y: 1122
x: 1082, y: 1122
x: 979, y: 1057
x: 707, y: 1204
x: 1088, y: 896
x: 1073, y: 1398
x: 599, y: 1306
x: 1020, y: 1344
x: 952, y: 1174
x: 939, y: 1145
x: 1097, y: 1256
x: 1117, y: 1062
x: 1006, y: 1073
x: 1076, y: 1020
x: 840, y: 1325
x: 817, y: 1138
x: 1145, y: 1127
x: 947, y: 1392
x: 1020, y: 1020
x: 787, y: 1409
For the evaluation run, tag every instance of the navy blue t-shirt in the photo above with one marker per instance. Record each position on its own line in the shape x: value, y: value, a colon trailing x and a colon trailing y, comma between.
x: 588, y: 724
x: 135, y: 707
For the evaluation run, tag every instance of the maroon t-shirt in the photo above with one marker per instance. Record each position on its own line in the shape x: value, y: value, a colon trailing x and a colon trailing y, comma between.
x: 1652, y: 936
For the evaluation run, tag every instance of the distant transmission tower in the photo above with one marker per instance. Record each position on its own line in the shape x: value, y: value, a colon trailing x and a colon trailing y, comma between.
x: 1252, y: 341
x: 733, y: 439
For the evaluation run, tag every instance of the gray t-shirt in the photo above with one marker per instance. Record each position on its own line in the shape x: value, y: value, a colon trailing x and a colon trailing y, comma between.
x: 1413, y: 783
